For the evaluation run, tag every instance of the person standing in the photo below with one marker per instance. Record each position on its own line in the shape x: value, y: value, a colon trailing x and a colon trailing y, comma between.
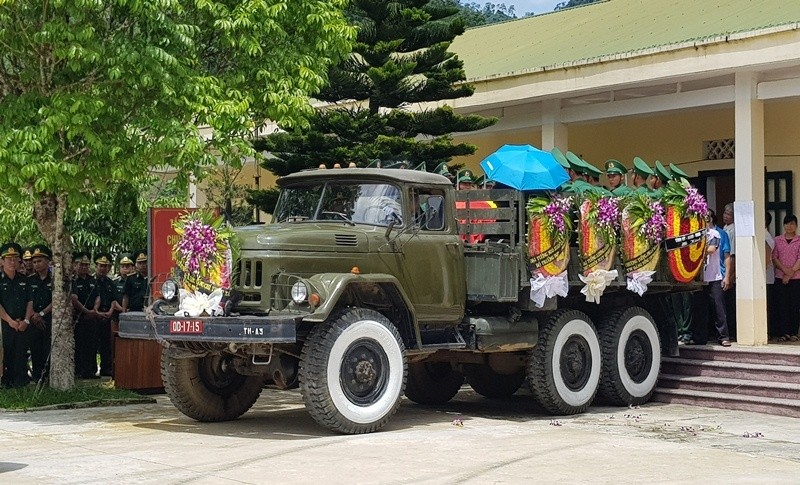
x: 786, y: 257
x: 13, y: 304
x: 770, y: 276
x: 105, y: 305
x: 137, y: 286
x: 729, y: 283
x: 84, y: 301
x: 40, y: 309
x: 713, y: 276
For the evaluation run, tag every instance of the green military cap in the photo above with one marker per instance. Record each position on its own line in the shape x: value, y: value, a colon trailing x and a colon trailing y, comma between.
x: 374, y: 164
x: 103, y: 258
x: 398, y: 164
x: 465, y: 176
x: 10, y: 249
x: 126, y: 258
x: 591, y: 170
x: 560, y: 158
x: 141, y: 255
x: 26, y: 254
x: 641, y: 168
x: 615, y: 167
x: 662, y: 172
x: 575, y: 163
x: 80, y: 257
x: 40, y: 250
x: 421, y: 167
x: 677, y: 172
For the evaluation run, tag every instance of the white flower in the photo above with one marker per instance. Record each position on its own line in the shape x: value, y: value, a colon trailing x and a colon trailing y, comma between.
x: 194, y: 304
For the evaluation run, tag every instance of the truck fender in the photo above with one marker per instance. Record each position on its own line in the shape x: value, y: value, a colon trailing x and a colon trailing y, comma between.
x: 376, y: 291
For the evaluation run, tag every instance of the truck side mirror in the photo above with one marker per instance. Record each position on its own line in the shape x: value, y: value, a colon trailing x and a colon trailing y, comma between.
x: 434, y: 216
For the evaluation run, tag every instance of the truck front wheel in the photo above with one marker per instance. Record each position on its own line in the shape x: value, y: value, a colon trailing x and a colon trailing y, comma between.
x: 433, y: 382
x: 489, y: 383
x: 207, y: 388
x: 564, y: 369
x: 353, y: 371
x: 631, y: 357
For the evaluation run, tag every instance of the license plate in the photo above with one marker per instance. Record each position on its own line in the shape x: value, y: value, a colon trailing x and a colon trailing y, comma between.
x: 186, y: 326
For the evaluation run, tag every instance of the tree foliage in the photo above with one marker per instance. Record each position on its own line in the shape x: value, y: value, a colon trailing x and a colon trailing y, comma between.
x: 573, y: 3
x: 400, y: 59
x: 475, y: 14
x: 94, y: 94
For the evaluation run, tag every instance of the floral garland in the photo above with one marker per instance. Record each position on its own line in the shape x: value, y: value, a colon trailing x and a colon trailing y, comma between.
x: 686, y: 199
x: 554, y: 213
x: 203, y: 252
x: 604, y: 215
x: 648, y: 218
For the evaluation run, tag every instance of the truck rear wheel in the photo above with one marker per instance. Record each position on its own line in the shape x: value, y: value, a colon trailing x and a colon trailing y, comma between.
x: 353, y: 371
x: 433, y: 382
x: 564, y: 370
x: 631, y: 357
x: 207, y: 388
x: 489, y: 383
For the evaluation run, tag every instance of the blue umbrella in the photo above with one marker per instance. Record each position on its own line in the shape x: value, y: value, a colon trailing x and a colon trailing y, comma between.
x: 525, y: 168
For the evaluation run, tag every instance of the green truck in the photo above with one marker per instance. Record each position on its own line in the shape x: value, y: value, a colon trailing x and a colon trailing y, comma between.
x: 371, y: 284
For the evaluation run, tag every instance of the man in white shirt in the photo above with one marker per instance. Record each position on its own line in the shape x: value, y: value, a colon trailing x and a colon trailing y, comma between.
x: 712, y: 274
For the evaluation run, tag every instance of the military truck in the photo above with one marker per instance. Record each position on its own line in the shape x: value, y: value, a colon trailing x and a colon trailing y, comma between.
x: 367, y: 286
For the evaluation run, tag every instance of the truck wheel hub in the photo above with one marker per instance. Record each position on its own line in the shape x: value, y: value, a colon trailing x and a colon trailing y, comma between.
x: 638, y: 356
x: 575, y: 362
x: 364, y: 372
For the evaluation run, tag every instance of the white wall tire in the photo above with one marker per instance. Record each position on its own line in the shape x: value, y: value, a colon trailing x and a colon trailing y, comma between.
x: 564, y: 370
x: 631, y: 357
x: 353, y: 372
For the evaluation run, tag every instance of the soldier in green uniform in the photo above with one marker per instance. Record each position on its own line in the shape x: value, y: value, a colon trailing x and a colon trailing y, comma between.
x: 616, y: 171
x: 677, y: 173
x: 125, y: 269
x: 40, y: 309
x: 84, y: 301
x: 27, y: 263
x: 137, y: 286
x: 465, y: 181
x: 13, y: 304
x: 662, y: 177
x: 105, y: 306
x: 642, y: 174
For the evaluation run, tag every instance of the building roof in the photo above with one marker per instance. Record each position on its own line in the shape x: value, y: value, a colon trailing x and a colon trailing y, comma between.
x: 615, y: 29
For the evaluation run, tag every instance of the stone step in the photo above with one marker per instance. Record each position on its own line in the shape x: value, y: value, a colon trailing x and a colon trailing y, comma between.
x: 771, y: 354
x: 780, y: 390
x: 724, y: 400
x: 730, y: 370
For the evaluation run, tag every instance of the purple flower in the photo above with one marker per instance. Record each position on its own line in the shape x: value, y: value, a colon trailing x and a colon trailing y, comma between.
x: 696, y: 203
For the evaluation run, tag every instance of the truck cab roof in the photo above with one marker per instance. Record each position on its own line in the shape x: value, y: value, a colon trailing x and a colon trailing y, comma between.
x: 399, y: 176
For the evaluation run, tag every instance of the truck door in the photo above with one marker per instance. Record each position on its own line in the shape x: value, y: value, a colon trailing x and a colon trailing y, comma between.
x: 431, y: 258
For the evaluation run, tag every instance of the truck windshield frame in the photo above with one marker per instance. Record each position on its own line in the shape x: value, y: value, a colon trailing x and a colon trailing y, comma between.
x: 370, y: 203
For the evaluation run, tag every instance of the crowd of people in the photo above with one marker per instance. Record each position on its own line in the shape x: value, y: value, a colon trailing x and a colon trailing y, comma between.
x: 95, y: 301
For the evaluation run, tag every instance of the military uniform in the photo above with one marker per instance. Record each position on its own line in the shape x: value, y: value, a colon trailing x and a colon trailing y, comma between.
x: 84, y: 293
x: 14, y: 300
x: 641, y: 169
x: 40, y: 298
x: 137, y: 287
x: 107, y: 293
x: 664, y: 176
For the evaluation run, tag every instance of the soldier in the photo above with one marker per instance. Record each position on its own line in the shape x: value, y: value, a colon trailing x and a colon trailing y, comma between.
x: 105, y: 307
x: 592, y: 173
x: 663, y: 176
x: 137, y: 286
x: 677, y: 173
x: 465, y: 181
x: 443, y: 170
x: 125, y: 269
x: 27, y: 263
x: 642, y: 174
x: 40, y: 309
x: 616, y: 171
x: 562, y: 160
x: 13, y: 304
x: 84, y: 300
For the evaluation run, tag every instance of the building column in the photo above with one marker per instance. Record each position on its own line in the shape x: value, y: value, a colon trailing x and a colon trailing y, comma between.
x: 751, y: 300
x: 554, y: 132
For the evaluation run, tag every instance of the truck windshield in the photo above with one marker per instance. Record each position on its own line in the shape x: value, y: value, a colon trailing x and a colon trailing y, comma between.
x: 375, y: 204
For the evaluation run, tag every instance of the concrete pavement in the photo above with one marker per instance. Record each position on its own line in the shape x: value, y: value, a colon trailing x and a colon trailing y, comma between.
x: 505, y: 441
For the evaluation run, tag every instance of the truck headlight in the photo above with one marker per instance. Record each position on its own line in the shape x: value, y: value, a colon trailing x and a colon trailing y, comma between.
x: 169, y: 289
x: 299, y: 292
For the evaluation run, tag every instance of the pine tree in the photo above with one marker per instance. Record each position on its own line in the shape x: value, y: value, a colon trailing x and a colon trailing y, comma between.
x: 400, y: 58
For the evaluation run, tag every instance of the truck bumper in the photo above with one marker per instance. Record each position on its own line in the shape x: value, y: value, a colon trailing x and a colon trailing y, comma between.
x: 244, y: 329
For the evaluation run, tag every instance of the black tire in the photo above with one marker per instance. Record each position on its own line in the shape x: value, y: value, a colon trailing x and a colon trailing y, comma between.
x: 206, y: 389
x: 631, y: 357
x: 564, y: 370
x: 353, y: 371
x: 433, y: 383
x: 488, y: 383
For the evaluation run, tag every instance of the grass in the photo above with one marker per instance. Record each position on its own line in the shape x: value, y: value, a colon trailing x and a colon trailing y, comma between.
x: 81, y: 396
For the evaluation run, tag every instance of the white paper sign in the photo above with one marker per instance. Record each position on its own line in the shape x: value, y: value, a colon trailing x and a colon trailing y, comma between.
x: 744, y: 218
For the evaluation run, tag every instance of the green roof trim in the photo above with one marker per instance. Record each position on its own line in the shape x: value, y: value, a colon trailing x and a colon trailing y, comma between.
x: 613, y: 28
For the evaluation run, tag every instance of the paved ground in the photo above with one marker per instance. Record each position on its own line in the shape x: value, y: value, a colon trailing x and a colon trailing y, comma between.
x: 508, y: 441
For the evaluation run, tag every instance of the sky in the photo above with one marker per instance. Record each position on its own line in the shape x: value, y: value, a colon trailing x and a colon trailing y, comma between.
x: 523, y: 6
